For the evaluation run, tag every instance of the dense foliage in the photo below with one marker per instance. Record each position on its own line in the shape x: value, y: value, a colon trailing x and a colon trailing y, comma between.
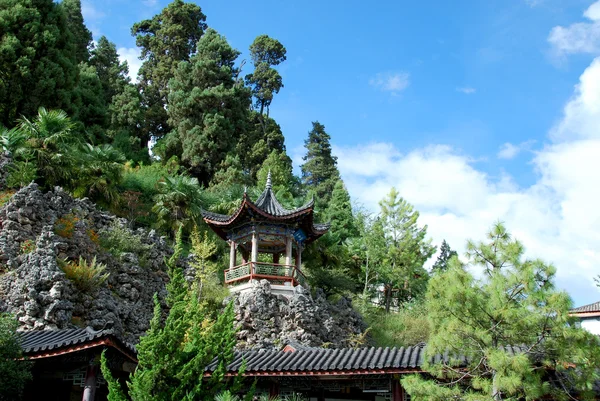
x: 14, y: 374
x: 175, y: 352
x: 511, y: 326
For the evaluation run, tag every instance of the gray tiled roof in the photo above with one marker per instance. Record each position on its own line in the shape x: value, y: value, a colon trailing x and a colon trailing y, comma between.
x: 322, y: 359
x: 40, y: 341
x: 595, y: 307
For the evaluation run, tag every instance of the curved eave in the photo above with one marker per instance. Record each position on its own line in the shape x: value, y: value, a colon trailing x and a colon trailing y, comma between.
x: 221, y: 220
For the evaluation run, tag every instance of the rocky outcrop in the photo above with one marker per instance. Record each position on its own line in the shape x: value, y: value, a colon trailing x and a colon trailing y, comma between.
x: 39, y: 230
x: 270, y: 321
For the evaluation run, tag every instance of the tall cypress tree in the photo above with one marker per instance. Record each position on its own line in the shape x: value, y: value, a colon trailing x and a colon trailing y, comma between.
x: 319, y: 171
x: 339, y: 213
x: 167, y: 39
x: 111, y: 71
x: 82, y: 37
x: 37, y: 59
x: 208, y: 106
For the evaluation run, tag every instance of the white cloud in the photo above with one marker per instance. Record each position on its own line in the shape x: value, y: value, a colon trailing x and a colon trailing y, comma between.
x: 581, y: 37
x: 91, y: 16
x: 391, y: 82
x: 150, y: 3
x: 510, y: 151
x: 467, y: 90
x: 557, y: 217
x: 132, y: 56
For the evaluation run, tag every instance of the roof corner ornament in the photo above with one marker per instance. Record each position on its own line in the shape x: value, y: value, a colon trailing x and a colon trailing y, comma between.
x: 268, y: 186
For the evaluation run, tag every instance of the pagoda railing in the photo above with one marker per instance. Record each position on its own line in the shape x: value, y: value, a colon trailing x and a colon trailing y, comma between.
x: 273, y: 272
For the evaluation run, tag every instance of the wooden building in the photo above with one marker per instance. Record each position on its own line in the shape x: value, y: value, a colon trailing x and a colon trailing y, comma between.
x: 266, y: 241
x: 66, y: 363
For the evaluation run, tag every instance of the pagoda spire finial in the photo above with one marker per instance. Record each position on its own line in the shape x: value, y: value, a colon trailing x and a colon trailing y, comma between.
x: 268, y: 186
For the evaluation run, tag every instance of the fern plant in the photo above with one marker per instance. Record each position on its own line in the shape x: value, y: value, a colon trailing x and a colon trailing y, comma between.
x: 85, y: 276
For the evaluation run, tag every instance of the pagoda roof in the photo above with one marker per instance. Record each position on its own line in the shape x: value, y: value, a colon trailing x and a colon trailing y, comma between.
x: 270, y: 209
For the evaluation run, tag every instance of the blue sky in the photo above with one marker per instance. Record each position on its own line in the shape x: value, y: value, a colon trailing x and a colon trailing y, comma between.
x: 476, y: 111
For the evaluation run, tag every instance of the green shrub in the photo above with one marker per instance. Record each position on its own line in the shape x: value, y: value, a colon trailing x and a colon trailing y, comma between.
x: 20, y: 174
x: 408, y: 326
x: 144, y: 178
x: 5, y: 196
x: 85, y: 277
x: 118, y: 240
x: 65, y: 226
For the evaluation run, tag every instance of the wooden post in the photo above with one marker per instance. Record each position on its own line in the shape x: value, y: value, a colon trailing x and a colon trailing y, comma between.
x: 276, y: 258
x: 89, y: 391
x: 397, y: 390
x: 288, y: 250
x: 232, y: 255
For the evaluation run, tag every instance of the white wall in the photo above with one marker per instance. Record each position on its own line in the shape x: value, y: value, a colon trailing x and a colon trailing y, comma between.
x: 591, y: 324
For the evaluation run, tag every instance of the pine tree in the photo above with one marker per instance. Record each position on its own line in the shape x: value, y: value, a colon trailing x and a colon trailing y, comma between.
x: 38, y: 64
x: 512, y: 327
x: 339, y: 213
x: 319, y: 171
x: 208, y: 106
x: 402, y: 271
x: 82, y: 37
x: 446, y: 253
x: 265, y: 81
x: 167, y: 39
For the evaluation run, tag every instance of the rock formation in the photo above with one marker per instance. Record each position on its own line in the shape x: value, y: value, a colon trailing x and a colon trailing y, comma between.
x: 41, y: 229
x: 270, y: 321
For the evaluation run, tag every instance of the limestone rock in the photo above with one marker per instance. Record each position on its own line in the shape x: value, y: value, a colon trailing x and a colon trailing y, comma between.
x: 36, y: 290
x: 270, y: 321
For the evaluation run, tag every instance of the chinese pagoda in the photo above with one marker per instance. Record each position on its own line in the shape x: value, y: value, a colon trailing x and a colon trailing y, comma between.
x: 261, y: 233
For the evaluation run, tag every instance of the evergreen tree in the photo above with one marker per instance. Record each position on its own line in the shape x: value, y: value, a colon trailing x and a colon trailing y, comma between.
x: 91, y: 109
x: 208, y: 106
x: 126, y: 128
x: 511, y: 331
x: 14, y: 373
x: 339, y: 213
x: 402, y: 272
x: 173, y: 355
x: 261, y: 137
x: 37, y: 59
x: 112, y: 72
x: 446, y: 253
x: 319, y: 171
x: 167, y: 39
x: 82, y: 37
x: 280, y: 166
x: 265, y: 80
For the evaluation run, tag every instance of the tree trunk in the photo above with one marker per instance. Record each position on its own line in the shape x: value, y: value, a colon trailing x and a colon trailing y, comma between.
x: 388, y: 297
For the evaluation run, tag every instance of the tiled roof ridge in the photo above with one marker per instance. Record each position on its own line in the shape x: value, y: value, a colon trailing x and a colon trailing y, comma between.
x: 593, y: 307
x: 36, y: 341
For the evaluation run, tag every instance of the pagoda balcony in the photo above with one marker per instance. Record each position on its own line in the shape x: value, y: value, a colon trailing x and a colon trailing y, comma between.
x: 273, y: 272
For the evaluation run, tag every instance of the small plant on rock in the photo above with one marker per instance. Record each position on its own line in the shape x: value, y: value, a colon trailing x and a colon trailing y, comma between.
x: 27, y: 246
x: 5, y: 196
x: 85, y: 276
x: 118, y: 240
x: 65, y: 226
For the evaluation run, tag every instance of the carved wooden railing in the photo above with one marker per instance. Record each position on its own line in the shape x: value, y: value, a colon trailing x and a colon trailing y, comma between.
x: 269, y: 271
